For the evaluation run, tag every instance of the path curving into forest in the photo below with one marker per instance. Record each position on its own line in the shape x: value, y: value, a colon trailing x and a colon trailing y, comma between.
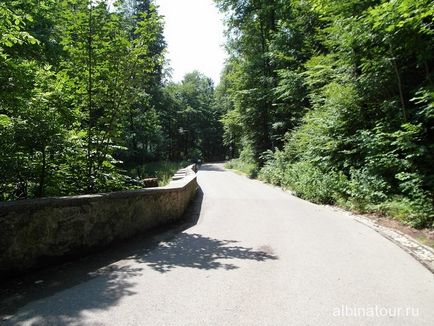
x: 248, y: 254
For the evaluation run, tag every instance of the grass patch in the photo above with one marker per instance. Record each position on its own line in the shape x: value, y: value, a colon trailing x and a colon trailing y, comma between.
x: 249, y: 169
x: 426, y: 241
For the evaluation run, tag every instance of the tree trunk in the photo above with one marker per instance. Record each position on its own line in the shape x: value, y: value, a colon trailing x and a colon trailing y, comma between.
x: 401, y: 94
x: 42, y: 174
x: 89, y: 127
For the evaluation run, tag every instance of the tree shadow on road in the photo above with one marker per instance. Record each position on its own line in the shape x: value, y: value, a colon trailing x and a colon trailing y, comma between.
x: 103, y: 291
x: 76, y: 273
x: 197, y: 251
x: 98, y: 282
x: 212, y: 167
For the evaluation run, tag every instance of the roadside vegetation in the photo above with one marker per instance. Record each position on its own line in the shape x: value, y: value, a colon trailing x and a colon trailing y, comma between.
x: 85, y: 98
x: 334, y: 100
x: 249, y: 169
x: 331, y: 99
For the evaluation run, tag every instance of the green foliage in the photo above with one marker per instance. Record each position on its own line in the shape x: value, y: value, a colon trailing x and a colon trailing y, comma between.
x: 304, y: 179
x: 249, y: 169
x: 193, y: 119
x: 310, y: 182
x: 12, y: 27
x: 418, y: 213
x: 246, y: 163
x: 274, y: 169
x: 351, y: 116
x: 82, y: 97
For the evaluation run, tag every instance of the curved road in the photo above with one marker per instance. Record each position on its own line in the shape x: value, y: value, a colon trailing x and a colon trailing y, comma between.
x: 250, y: 254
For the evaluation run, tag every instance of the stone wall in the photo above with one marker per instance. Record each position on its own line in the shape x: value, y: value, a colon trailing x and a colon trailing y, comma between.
x: 35, y: 231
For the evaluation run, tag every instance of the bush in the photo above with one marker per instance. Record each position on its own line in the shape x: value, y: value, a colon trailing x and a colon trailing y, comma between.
x: 312, y: 183
x: 365, y: 188
x: 274, y: 169
x: 418, y: 214
x: 246, y: 163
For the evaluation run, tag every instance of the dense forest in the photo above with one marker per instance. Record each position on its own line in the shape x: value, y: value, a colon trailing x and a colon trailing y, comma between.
x: 334, y: 100
x: 85, y: 98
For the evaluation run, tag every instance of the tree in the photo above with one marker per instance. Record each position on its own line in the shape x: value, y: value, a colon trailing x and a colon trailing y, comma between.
x: 193, y: 119
x: 345, y: 90
x: 82, y: 98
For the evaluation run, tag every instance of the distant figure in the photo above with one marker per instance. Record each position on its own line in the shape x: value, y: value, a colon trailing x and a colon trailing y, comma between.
x: 199, y: 162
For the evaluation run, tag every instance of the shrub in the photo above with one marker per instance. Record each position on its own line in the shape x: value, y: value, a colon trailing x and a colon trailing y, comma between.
x: 418, y: 213
x: 274, y: 169
x: 249, y: 169
x: 364, y: 188
x: 312, y: 183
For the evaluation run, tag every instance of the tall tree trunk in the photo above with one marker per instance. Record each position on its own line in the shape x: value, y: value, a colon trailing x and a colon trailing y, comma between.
x: 89, y: 127
x: 401, y: 94
x: 42, y: 175
x: 399, y: 83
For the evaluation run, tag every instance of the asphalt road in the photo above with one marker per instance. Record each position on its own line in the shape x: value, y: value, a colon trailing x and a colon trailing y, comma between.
x: 249, y: 254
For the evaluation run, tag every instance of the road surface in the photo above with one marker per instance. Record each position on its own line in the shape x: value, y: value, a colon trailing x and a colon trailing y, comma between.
x: 249, y: 254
